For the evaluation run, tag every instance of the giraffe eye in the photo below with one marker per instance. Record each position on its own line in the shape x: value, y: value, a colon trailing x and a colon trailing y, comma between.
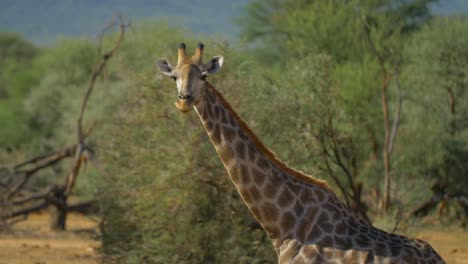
x: 173, y: 77
x: 203, y: 77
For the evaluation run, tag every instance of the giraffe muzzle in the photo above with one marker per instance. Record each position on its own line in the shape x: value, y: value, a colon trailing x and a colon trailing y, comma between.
x: 184, y: 106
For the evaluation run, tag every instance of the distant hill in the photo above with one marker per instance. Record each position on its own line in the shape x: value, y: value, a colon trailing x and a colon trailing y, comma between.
x: 450, y: 7
x: 43, y: 20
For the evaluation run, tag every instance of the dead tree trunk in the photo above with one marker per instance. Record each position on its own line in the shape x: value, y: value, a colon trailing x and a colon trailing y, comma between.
x: 13, y: 203
x: 58, y: 209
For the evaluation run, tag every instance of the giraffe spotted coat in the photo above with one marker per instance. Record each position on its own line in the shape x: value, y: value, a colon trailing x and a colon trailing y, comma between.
x: 302, y: 215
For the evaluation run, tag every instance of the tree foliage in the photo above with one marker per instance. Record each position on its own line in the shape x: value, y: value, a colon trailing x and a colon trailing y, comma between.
x: 310, y: 83
x: 17, y: 75
x: 438, y: 80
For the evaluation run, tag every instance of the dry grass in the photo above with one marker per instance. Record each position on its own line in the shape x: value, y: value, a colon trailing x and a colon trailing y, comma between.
x: 451, y: 245
x: 34, y: 243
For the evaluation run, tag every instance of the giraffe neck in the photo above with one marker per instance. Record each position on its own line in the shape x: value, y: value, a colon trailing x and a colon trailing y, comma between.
x: 276, y: 195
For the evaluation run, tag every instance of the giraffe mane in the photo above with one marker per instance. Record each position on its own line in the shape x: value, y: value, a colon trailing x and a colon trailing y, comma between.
x: 266, y: 151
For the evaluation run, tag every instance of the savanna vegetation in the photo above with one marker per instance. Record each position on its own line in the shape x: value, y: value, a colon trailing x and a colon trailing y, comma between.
x: 368, y: 95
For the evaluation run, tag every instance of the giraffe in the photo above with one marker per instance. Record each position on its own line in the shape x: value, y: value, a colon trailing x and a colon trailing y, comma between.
x: 302, y: 215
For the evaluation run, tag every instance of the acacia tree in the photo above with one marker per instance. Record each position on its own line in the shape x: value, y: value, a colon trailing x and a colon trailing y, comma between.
x: 17, y: 76
x: 438, y: 59
x: 364, y: 37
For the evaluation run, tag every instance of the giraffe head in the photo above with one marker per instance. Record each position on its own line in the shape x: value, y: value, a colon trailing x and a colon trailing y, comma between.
x: 190, y: 75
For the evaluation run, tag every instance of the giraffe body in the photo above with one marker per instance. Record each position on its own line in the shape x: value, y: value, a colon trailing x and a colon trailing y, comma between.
x: 302, y: 215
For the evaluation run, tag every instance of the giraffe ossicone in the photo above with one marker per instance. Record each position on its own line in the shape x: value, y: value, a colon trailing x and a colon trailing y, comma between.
x: 305, y: 220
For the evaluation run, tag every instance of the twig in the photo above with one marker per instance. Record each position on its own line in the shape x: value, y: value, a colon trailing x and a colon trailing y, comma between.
x: 27, y: 210
x: 34, y: 196
x: 104, y: 58
x: 396, y: 121
x: 42, y: 161
x: 102, y: 63
x: 57, y: 154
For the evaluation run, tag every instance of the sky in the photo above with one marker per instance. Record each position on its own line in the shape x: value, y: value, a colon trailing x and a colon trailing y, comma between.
x: 42, y: 21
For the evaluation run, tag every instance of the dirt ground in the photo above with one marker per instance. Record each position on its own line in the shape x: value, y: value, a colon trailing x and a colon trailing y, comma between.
x: 452, y: 245
x: 34, y: 243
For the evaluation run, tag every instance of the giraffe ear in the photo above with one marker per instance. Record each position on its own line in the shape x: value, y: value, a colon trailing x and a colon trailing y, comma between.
x: 213, y: 66
x: 165, y: 66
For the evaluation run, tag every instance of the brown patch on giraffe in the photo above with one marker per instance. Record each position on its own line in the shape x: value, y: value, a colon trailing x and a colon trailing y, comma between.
x: 307, y: 196
x: 269, y: 212
x: 232, y: 121
x: 270, y: 190
x: 295, y: 188
x: 287, y: 221
x: 319, y: 194
x: 204, y: 113
x: 353, y: 222
x: 302, y: 228
x: 341, y: 242
x: 216, y: 137
x: 234, y: 173
x: 224, y: 119
x: 240, y: 150
x: 209, y: 110
x: 298, y: 209
x: 333, y: 210
x: 244, y: 175
x: 258, y: 176
x: 226, y: 154
x: 209, y: 125
x: 228, y: 133
x: 256, y: 212
x: 261, y: 147
x: 362, y: 241
x: 217, y: 112
x: 323, y: 221
x: 276, y: 177
x: 381, y: 249
x: 242, y: 135
x: 395, y: 249
x: 263, y: 163
x: 311, y: 213
x: 363, y: 229
x: 244, y: 192
x: 211, y: 98
x: 255, y: 193
x: 340, y: 228
x: 393, y: 237
x: 314, y: 234
x: 252, y: 152
x: 285, y: 198
x: 272, y: 231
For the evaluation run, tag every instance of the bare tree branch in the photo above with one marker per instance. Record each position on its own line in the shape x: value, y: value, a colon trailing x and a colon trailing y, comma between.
x: 396, y: 120
x: 22, y: 172
x: 104, y: 58
x: 101, y: 64
x: 40, y: 162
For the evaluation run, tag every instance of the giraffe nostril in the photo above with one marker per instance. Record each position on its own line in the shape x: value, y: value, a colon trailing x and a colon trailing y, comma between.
x: 181, y: 96
x: 188, y: 97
